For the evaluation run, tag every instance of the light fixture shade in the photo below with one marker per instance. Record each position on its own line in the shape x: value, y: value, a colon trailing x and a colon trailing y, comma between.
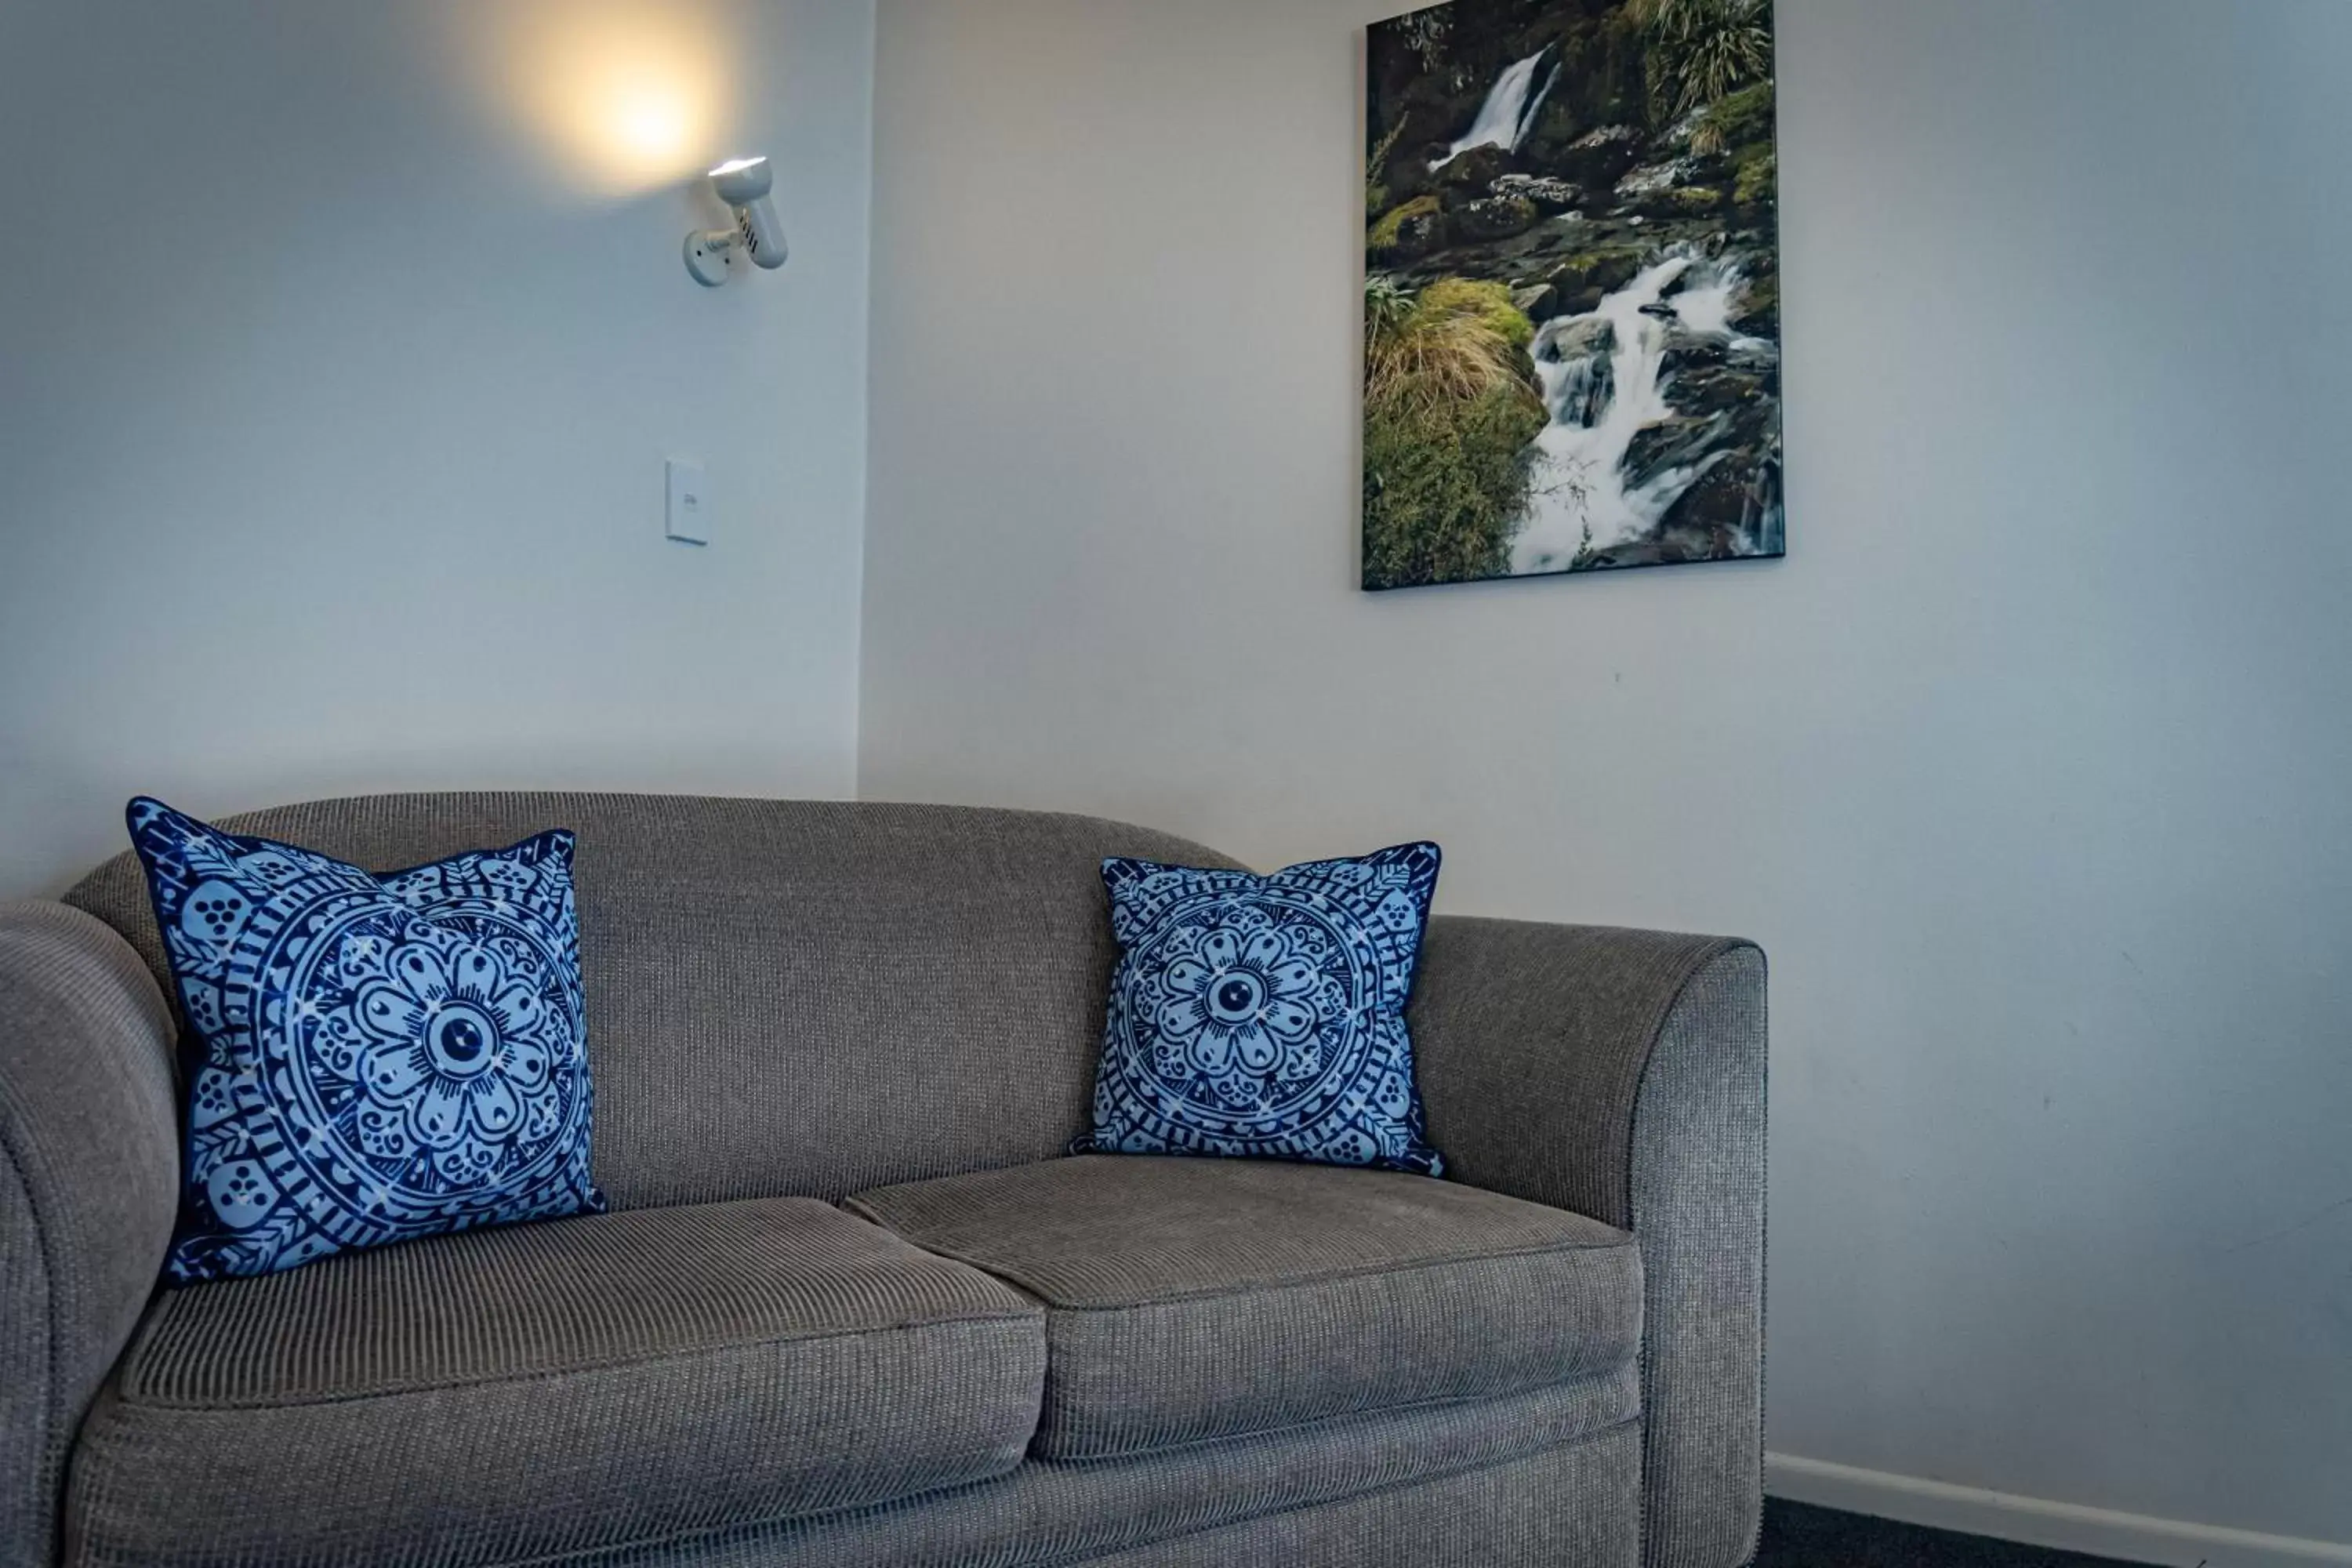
x: 742, y: 181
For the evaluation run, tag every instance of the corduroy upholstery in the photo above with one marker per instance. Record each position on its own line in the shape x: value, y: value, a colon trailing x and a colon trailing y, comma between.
x: 543, y: 1388
x: 1621, y: 1074
x: 1698, y: 1205
x: 1585, y: 1437
x: 1191, y: 1298
x: 810, y: 1000
x: 90, y: 1176
x: 1562, y: 1506
x: 788, y: 998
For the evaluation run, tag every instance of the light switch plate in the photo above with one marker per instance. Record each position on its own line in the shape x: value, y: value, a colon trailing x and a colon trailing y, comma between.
x: 689, y: 517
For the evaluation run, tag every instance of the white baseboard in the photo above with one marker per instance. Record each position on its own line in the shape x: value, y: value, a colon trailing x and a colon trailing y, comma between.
x: 2103, y: 1532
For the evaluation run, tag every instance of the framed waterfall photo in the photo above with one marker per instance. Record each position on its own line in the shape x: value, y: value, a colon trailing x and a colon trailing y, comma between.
x: 1571, y: 297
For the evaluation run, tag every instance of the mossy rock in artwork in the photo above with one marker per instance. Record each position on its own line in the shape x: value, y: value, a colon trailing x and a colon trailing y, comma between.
x: 1759, y: 181
x: 1491, y: 303
x: 1690, y: 201
x: 1759, y: 309
x: 1496, y: 218
x: 1411, y: 228
x: 1607, y: 270
x: 1472, y: 174
x: 1537, y: 302
x: 1742, y: 118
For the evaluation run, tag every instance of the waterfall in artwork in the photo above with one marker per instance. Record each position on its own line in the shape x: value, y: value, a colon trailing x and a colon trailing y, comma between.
x: 1510, y: 109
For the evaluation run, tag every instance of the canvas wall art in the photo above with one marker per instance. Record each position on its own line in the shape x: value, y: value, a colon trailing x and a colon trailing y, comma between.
x: 1572, y: 328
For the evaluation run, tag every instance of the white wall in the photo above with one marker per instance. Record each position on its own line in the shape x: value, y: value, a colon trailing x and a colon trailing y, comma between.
x: 340, y: 347
x: 2030, y: 765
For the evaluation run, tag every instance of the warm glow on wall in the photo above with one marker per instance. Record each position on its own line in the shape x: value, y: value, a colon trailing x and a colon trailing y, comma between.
x: 627, y: 95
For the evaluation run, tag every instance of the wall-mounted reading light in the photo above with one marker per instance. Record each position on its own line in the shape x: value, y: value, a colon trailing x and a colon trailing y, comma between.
x: 743, y: 184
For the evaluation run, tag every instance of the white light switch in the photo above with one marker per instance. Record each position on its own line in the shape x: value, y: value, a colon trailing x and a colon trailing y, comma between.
x: 690, y: 504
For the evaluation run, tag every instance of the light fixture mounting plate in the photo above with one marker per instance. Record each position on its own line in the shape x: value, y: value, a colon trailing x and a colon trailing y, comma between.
x: 706, y: 254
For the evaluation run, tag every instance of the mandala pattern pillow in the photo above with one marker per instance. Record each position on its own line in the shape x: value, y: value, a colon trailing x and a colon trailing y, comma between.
x: 1264, y: 1017
x: 374, y: 1059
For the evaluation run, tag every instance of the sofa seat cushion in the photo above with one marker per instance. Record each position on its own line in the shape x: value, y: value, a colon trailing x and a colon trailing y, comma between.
x: 1188, y: 1300
x: 554, y: 1387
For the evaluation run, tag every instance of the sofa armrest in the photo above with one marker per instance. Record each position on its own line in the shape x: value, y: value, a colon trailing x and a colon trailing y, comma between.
x: 1621, y: 1074
x: 89, y: 1176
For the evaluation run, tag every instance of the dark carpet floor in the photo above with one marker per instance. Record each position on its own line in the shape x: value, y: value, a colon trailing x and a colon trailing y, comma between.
x: 1799, y: 1536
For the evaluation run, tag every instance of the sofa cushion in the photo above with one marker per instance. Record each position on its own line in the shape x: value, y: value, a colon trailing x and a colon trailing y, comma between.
x: 1264, y: 1017
x: 554, y: 1387
x: 1196, y: 1298
x: 381, y: 1058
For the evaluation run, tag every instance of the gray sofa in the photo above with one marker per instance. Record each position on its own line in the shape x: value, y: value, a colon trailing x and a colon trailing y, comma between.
x: 852, y: 1305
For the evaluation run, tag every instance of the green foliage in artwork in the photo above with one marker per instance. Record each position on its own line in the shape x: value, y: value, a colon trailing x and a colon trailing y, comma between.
x: 1444, y: 496
x: 1384, y: 233
x: 1386, y: 305
x: 1451, y: 414
x: 1455, y: 343
x: 1702, y: 51
x: 1759, y: 181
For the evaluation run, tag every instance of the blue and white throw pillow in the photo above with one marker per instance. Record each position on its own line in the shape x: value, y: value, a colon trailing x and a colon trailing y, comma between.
x: 374, y: 1059
x: 1264, y: 1017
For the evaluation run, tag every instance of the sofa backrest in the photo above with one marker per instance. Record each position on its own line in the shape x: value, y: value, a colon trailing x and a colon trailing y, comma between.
x: 788, y: 998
